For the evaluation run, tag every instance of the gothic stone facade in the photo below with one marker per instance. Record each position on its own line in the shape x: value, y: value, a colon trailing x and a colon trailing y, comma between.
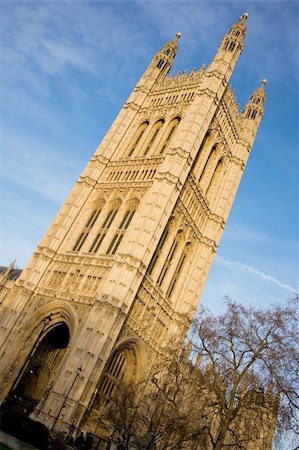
x: 122, y: 266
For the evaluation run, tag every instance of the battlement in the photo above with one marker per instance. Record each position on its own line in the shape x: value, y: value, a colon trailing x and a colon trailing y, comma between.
x: 180, y: 80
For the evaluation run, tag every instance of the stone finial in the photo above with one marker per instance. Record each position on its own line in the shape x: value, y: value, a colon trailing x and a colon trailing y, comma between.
x: 264, y: 82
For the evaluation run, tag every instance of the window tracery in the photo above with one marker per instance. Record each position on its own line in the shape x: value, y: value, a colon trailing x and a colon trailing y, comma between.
x: 123, y: 226
x: 105, y: 227
x: 88, y: 226
x: 153, y: 135
x: 208, y: 167
x: 137, y: 137
x: 230, y: 45
x: 169, y: 258
x: 169, y: 134
x: 113, y: 374
x: 251, y: 113
x: 178, y: 269
x: 159, y: 246
x: 215, y: 178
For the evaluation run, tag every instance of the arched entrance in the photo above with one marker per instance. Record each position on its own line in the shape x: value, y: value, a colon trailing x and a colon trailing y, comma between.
x: 39, y: 367
x: 125, y: 364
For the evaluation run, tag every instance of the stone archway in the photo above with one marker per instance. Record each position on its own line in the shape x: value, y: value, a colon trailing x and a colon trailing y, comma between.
x: 125, y: 364
x: 39, y: 367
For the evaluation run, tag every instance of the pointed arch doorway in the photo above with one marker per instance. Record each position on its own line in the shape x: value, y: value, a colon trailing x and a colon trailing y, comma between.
x: 38, y: 369
x: 126, y: 364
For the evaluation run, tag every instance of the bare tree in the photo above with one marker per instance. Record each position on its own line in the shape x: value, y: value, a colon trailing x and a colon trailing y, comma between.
x: 157, y: 412
x: 249, y: 362
x: 232, y: 388
x: 122, y: 415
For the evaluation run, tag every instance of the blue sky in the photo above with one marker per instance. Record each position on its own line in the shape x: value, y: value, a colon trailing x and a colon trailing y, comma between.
x: 67, y: 68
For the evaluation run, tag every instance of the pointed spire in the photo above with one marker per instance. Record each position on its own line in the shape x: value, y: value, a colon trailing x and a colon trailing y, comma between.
x: 178, y: 36
x: 172, y: 45
x: 244, y: 17
x: 238, y: 29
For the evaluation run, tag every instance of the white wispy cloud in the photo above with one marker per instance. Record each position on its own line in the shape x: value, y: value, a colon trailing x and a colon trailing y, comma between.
x: 245, y: 268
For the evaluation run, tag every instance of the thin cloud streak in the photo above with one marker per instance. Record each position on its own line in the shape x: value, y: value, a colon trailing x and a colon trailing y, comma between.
x: 253, y: 271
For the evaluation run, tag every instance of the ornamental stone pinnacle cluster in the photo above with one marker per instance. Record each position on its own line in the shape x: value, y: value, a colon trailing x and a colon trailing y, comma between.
x: 122, y: 266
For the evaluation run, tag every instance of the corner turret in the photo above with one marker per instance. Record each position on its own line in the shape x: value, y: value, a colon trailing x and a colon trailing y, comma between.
x: 157, y: 70
x: 253, y: 112
x: 230, y: 49
x: 163, y: 60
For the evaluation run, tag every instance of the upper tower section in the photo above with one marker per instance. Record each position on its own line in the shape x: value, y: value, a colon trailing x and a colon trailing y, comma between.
x: 230, y: 49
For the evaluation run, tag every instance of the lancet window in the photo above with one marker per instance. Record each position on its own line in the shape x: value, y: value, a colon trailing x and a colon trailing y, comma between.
x: 124, y: 224
x: 178, y: 270
x: 159, y: 247
x: 230, y: 46
x: 169, y: 258
x: 215, y: 179
x: 197, y: 161
x: 153, y: 135
x: 251, y: 113
x: 169, y: 134
x: 105, y: 227
x: 88, y: 226
x: 207, y: 170
x: 137, y: 137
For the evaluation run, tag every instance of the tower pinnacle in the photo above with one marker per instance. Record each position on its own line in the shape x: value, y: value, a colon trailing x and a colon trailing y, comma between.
x: 230, y: 48
x: 163, y: 60
x: 254, y: 109
x: 244, y: 17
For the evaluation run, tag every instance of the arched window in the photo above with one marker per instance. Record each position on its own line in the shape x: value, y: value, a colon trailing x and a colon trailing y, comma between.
x: 105, y: 227
x: 215, y: 179
x: 169, y: 258
x: 197, y: 162
x: 169, y: 134
x: 251, y: 113
x: 178, y: 270
x: 230, y: 46
x: 124, y: 224
x: 137, y: 136
x: 159, y: 247
x: 88, y: 226
x: 207, y: 171
x: 153, y: 135
x: 113, y: 374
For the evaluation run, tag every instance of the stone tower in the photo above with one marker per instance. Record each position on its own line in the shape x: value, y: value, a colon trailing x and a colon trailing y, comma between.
x: 122, y: 266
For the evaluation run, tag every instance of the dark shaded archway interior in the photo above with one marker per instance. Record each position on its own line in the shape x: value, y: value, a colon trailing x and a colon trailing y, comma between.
x: 41, y: 364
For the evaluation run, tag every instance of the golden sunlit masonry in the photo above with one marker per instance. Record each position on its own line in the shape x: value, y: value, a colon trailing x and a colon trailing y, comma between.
x: 123, y: 264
